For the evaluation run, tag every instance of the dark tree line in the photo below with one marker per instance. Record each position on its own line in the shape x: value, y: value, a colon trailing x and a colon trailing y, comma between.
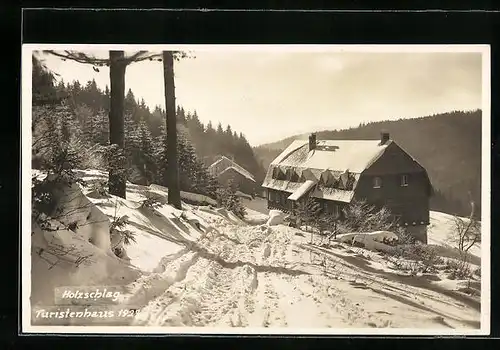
x: 145, y: 151
x: 212, y: 141
x: 206, y: 141
x: 145, y: 145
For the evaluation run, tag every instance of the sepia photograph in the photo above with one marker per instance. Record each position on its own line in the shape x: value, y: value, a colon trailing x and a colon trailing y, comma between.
x: 256, y: 189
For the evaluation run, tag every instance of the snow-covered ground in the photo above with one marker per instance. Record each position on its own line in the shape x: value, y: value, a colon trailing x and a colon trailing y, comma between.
x: 441, y: 232
x: 203, y: 267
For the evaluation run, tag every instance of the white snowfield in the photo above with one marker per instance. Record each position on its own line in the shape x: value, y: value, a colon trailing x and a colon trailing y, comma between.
x: 204, y: 267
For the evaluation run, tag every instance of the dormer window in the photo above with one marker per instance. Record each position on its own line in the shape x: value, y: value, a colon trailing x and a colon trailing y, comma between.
x: 404, y: 180
x: 377, y: 182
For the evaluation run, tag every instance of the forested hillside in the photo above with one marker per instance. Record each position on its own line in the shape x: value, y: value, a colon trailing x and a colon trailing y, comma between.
x: 199, y: 145
x: 448, y: 145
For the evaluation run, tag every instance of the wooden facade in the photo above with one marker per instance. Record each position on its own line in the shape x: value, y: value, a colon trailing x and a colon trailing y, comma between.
x: 225, y: 169
x: 403, y: 186
x: 244, y: 184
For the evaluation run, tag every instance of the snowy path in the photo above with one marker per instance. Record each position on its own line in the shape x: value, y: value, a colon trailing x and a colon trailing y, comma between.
x: 240, y: 276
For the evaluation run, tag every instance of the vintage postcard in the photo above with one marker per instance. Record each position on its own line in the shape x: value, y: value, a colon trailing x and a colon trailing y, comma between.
x: 256, y: 189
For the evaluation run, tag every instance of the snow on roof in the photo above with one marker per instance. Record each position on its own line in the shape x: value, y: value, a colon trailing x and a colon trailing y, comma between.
x: 340, y: 155
x: 306, y: 186
x: 245, y: 174
x: 235, y: 165
x: 330, y: 160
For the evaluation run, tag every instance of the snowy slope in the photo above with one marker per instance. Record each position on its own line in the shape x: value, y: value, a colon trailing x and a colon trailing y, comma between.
x: 440, y: 232
x: 204, y: 267
x: 259, y: 276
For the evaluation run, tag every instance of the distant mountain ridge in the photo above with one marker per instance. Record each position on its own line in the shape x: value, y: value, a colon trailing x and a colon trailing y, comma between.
x: 448, y: 145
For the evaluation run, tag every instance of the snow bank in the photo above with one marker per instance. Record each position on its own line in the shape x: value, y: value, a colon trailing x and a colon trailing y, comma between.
x: 372, y: 240
x: 188, y: 196
x: 84, y: 255
x: 61, y: 257
x: 378, y: 236
x: 276, y: 217
x: 255, y: 218
x: 75, y: 210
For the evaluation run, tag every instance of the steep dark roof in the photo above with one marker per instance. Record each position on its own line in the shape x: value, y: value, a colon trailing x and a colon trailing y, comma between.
x: 234, y: 166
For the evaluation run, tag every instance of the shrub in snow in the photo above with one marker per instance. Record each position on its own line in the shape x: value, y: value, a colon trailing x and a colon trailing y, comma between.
x: 98, y: 189
x: 466, y: 232
x: 117, y: 228
x: 307, y: 213
x: 458, y: 269
x: 227, y: 198
x: 152, y: 200
x: 477, y: 271
x: 416, y: 257
x: 403, y: 236
x: 362, y: 217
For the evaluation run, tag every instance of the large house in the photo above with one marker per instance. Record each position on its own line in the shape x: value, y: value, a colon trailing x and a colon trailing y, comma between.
x: 336, y: 172
x: 225, y: 169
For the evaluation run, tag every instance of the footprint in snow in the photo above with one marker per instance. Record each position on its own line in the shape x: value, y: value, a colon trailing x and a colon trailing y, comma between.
x: 383, y: 312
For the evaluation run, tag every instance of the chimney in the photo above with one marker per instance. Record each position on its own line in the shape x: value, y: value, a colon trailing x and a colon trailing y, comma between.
x: 312, y: 142
x: 384, y: 137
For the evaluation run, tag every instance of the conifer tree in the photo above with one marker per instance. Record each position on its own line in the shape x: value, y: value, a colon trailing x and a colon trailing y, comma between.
x: 148, y: 166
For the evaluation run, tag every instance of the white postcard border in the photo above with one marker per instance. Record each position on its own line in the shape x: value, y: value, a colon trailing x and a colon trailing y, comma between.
x: 26, y: 190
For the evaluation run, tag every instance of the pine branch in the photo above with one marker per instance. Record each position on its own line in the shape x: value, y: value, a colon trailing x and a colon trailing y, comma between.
x: 84, y: 58
x: 143, y: 56
x: 79, y: 57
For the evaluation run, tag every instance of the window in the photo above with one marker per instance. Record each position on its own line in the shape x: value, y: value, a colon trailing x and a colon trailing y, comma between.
x: 336, y: 210
x: 331, y: 208
x: 326, y: 207
x: 377, y: 182
x: 404, y: 180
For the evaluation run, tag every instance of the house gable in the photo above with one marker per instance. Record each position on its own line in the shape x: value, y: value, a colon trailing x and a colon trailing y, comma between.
x: 243, y: 183
x: 399, y: 182
x: 224, y: 163
x: 393, y: 160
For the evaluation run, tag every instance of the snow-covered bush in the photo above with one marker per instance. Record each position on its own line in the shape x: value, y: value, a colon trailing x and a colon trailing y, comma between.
x: 152, y: 200
x: 360, y: 216
x: 458, y: 269
x: 117, y: 228
x: 228, y: 199
x: 308, y: 213
x: 416, y: 258
x: 98, y: 189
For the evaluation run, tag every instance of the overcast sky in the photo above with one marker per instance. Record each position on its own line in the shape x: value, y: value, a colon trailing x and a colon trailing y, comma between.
x: 272, y: 95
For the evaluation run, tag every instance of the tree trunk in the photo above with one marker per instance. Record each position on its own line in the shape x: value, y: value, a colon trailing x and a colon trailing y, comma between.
x: 117, y: 177
x: 172, y: 173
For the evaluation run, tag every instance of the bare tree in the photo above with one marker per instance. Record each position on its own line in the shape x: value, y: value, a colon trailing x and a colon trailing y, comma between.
x: 117, y: 67
x: 467, y: 232
x: 172, y: 175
